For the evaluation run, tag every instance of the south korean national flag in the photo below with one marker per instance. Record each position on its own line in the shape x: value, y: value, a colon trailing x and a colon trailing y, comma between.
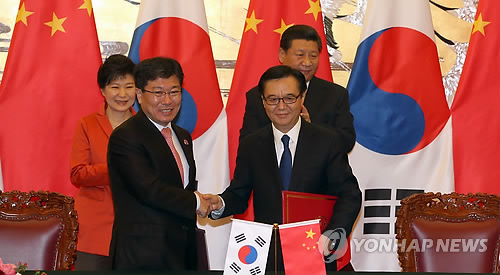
x: 248, y: 248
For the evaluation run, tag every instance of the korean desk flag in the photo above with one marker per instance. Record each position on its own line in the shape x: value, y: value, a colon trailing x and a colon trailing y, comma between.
x: 248, y: 248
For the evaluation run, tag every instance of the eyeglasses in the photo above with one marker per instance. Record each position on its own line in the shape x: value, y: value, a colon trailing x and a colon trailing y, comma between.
x: 161, y: 94
x: 289, y: 99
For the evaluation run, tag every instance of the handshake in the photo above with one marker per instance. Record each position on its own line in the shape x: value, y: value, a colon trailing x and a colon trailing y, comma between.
x: 208, y: 203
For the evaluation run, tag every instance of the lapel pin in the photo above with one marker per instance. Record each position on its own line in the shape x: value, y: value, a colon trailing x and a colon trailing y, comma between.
x: 186, y: 142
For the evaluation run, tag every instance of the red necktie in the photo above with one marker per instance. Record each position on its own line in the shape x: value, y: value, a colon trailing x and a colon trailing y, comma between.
x: 167, y: 134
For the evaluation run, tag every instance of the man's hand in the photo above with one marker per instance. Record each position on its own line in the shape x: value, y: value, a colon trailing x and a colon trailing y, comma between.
x: 204, y: 209
x: 305, y: 114
x: 214, y: 201
x: 327, y: 246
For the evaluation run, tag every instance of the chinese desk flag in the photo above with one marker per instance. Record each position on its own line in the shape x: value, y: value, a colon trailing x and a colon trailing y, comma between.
x: 49, y: 82
x: 300, y: 247
x: 179, y: 30
x: 475, y: 112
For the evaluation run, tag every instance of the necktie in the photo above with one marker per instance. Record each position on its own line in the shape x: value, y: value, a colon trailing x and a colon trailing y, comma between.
x: 285, y: 163
x: 167, y: 134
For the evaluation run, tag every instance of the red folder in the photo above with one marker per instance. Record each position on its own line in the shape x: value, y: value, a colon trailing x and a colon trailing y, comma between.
x: 299, y: 206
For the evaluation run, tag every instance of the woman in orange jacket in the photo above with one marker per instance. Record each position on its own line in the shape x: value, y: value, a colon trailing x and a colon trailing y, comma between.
x: 89, y: 169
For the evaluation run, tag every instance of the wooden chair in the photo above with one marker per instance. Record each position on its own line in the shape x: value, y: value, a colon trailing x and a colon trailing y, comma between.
x: 449, y: 233
x: 39, y: 229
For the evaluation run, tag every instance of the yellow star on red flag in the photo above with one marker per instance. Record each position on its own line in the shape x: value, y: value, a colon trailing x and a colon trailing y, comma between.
x: 310, y: 234
x: 479, y: 24
x: 283, y: 27
x: 314, y: 8
x: 22, y: 15
x: 252, y: 22
x: 56, y: 24
x: 87, y: 4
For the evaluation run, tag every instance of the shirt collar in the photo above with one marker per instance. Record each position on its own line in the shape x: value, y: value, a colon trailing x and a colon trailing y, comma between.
x: 293, y: 133
x: 160, y: 127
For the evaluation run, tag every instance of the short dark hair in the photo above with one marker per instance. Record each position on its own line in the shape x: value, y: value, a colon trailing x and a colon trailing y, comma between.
x: 115, y: 67
x: 156, y: 67
x: 295, y: 32
x: 282, y: 71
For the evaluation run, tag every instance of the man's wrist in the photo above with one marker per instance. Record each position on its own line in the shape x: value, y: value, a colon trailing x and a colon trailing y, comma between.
x: 217, y: 213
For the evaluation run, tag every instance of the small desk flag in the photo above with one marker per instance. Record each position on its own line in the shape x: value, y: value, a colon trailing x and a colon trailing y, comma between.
x: 248, y: 248
x: 300, y: 246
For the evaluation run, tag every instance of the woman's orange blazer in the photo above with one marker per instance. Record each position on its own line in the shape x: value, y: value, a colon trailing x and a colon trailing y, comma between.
x: 89, y: 171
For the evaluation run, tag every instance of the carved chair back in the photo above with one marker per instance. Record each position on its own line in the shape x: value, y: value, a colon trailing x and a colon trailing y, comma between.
x: 39, y: 229
x: 449, y: 233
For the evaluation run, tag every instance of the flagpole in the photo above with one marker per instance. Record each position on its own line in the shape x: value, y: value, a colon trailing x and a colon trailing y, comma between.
x: 275, y: 230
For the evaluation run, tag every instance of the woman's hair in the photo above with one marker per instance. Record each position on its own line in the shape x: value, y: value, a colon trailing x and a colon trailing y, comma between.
x: 115, y: 67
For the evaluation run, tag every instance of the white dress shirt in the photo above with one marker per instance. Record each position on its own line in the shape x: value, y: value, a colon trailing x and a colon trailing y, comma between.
x: 278, y: 144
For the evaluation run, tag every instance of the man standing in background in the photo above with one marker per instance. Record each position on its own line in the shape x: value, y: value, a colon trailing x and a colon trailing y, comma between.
x: 325, y: 103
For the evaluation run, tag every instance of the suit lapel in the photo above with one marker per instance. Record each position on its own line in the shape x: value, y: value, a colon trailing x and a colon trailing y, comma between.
x: 185, y: 142
x: 301, y: 157
x: 103, y: 121
x: 312, y: 100
x: 267, y: 155
x: 158, y: 142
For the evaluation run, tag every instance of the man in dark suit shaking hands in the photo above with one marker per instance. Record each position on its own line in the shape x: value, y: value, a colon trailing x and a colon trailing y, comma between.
x: 152, y: 173
x: 325, y: 103
x: 288, y: 154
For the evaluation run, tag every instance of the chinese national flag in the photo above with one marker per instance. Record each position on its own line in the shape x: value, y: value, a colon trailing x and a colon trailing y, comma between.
x: 475, y: 112
x: 299, y: 244
x: 49, y: 82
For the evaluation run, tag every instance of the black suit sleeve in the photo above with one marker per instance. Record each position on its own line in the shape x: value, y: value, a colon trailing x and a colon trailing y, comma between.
x: 137, y: 172
x: 344, y: 122
x: 238, y: 193
x: 328, y: 105
x: 343, y: 184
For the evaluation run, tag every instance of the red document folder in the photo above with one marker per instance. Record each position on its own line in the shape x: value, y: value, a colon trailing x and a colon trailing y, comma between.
x: 299, y: 206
